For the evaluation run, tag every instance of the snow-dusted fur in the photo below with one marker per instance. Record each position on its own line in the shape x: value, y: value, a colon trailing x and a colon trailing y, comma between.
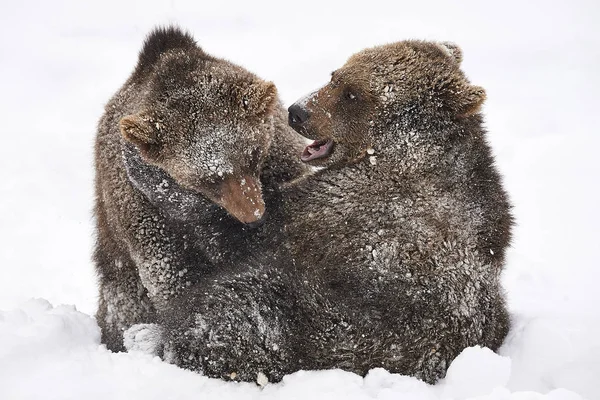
x: 394, y: 251
x: 186, y: 131
x: 410, y: 221
x: 408, y: 228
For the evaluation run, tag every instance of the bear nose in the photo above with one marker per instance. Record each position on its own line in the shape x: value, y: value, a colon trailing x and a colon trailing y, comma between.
x: 298, y: 115
x: 258, y: 223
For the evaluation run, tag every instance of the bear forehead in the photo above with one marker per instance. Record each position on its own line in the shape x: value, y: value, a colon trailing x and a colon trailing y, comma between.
x: 411, y: 62
x: 408, y: 53
x: 193, y: 68
x: 405, y: 49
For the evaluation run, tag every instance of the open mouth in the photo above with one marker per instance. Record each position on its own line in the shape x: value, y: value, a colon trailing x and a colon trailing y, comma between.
x: 318, y: 149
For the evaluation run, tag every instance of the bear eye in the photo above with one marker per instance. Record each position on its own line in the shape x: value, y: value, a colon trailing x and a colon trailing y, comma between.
x: 350, y: 94
x: 245, y: 102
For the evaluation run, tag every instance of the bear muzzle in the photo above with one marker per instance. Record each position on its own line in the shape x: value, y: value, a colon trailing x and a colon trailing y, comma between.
x: 242, y: 198
x: 297, y: 115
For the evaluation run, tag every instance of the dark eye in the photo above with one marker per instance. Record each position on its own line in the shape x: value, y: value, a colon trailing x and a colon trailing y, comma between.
x: 350, y: 94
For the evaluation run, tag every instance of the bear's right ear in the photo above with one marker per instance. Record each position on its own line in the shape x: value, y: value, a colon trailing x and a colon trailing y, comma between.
x: 260, y: 98
x: 138, y: 130
x: 267, y: 97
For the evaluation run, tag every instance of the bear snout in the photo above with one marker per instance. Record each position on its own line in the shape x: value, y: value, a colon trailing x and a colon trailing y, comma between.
x: 297, y: 116
x: 241, y: 198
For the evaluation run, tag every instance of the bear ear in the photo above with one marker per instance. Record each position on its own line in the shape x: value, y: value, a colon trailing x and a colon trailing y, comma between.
x: 261, y: 98
x: 138, y: 129
x: 472, y: 98
x: 452, y: 50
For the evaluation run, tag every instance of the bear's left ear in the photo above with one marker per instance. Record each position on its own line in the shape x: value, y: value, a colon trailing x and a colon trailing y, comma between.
x: 471, y: 99
x: 452, y: 50
x: 260, y: 99
x: 461, y: 98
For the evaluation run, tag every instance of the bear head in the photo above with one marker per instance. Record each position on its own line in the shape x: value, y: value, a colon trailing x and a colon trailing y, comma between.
x: 204, y: 121
x: 382, y: 94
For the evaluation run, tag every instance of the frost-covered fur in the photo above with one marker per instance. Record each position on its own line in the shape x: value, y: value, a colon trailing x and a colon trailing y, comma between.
x: 394, y: 251
x: 406, y: 231
x: 179, y: 152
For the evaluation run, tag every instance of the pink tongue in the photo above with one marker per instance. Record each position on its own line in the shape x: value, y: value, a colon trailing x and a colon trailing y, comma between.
x: 318, y: 149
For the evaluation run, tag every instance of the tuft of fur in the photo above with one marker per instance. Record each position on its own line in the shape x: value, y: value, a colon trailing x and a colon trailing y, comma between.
x: 158, y: 42
x: 391, y: 256
x: 189, y: 148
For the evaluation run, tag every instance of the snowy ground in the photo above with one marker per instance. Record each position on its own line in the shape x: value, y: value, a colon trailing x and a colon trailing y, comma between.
x: 62, y: 60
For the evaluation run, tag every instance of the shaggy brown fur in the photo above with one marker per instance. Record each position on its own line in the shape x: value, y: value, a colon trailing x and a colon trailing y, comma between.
x: 407, y: 227
x: 179, y: 152
x: 394, y: 251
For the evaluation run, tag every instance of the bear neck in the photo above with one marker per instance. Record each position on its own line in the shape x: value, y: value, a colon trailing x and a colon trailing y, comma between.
x: 162, y: 191
x: 427, y: 144
x: 452, y: 151
x: 412, y: 154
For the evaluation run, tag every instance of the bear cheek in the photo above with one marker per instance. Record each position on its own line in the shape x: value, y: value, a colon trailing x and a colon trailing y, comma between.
x: 319, y: 127
x: 324, y: 113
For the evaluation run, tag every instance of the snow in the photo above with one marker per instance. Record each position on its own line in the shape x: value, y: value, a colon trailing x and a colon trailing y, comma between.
x: 54, y: 353
x: 61, y: 62
x: 476, y: 372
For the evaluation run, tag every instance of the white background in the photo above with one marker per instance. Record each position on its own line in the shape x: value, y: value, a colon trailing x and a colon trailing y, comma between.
x: 60, y: 61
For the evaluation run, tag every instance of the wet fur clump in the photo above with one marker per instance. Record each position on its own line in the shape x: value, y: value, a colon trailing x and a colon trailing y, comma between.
x: 189, y: 152
x: 390, y: 256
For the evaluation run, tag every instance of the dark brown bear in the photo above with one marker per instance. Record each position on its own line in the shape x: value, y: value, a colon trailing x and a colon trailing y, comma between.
x: 394, y: 250
x: 179, y: 154
x: 407, y: 227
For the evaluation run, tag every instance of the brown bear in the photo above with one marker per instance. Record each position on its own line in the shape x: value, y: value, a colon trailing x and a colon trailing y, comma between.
x: 393, y: 252
x: 391, y: 255
x: 408, y: 225
x: 179, y: 154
